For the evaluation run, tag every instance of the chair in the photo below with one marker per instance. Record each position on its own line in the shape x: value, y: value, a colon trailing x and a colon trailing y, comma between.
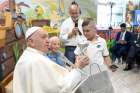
x: 6, y: 84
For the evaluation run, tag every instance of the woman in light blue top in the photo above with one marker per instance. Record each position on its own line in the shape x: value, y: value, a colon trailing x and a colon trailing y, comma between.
x: 54, y: 54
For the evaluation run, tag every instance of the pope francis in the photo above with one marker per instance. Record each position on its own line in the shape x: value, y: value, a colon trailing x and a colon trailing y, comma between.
x: 35, y: 73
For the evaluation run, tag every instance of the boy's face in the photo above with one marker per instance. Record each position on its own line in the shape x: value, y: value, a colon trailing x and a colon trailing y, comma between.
x: 89, y: 31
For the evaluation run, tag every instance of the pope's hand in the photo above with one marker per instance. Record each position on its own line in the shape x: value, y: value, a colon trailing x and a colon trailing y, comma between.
x: 81, y: 61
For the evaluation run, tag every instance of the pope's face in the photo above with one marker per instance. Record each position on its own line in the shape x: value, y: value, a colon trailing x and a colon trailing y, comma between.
x: 41, y: 41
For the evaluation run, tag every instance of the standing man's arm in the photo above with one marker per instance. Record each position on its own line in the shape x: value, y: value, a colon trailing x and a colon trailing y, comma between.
x: 64, y: 32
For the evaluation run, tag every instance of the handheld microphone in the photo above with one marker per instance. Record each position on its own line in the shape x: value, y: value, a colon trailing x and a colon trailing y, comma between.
x: 76, y: 25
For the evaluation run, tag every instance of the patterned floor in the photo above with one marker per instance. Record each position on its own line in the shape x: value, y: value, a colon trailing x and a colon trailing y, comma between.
x: 126, y: 81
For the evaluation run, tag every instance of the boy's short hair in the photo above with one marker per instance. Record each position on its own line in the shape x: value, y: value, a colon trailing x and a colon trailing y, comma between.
x: 87, y: 21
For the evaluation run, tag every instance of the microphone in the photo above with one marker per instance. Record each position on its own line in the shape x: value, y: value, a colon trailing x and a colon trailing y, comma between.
x: 76, y: 25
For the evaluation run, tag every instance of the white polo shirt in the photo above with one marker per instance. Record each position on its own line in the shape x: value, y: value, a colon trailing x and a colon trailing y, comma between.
x: 66, y: 28
x: 96, y: 52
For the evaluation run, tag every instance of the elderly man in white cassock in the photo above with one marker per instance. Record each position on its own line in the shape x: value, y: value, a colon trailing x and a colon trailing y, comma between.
x: 36, y: 73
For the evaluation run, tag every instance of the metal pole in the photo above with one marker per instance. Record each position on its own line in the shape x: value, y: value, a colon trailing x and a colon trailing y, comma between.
x: 111, y: 6
x: 110, y: 15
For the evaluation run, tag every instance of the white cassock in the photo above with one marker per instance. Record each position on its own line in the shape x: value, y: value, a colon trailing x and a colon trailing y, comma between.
x: 35, y: 73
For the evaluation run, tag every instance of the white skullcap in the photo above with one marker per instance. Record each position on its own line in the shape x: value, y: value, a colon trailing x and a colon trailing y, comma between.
x: 30, y: 31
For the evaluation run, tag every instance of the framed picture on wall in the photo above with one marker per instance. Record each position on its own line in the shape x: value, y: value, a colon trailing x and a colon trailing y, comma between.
x: 18, y: 30
x: 4, y: 4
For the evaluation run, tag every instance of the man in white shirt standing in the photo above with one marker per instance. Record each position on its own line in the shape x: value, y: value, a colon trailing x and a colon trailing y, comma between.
x: 71, y: 31
x: 96, y: 50
x: 36, y: 73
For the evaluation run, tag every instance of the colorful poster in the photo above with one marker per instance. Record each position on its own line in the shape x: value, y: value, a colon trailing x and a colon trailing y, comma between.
x: 136, y: 20
x: 40, y: 9
x: 44, y: 9
x: 88, y: 7
x: 131, y: 15
x: 54, y: 10
x: 4, y: 4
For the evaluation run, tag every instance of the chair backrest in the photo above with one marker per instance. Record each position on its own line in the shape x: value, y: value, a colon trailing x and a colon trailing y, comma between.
x: 40, y: 23
x: 4, y: 83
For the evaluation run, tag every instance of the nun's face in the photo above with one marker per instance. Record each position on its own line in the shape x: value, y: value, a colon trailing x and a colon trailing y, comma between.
x: 55, y: 45
x: 40, y: 40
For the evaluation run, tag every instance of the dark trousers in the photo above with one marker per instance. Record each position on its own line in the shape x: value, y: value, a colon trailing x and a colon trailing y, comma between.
x: 69, y: 53
x: 133, y: 54
x: 118, y: 51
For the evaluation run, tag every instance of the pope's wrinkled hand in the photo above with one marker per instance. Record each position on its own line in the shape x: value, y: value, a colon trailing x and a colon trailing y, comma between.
x: 81, y: 61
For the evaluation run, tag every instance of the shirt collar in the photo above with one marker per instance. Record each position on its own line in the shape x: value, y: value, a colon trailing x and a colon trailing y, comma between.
x: 97, y: 39
x: 35, y: 50
x: 124, y: 32
x: 56, y: 53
